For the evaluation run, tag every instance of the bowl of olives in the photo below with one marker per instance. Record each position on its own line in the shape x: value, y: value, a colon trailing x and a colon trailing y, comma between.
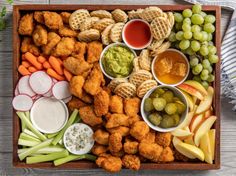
x: 164, y: 108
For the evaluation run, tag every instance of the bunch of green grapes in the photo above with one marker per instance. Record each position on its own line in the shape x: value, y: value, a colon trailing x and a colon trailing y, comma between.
x: 193, y: 34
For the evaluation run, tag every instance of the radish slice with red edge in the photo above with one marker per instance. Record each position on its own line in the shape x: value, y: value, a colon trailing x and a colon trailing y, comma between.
x: 22, y: 102
x: 36, y: 97
x: 40, y: 82
x: 48, y: 94
x: 16, y: 91
x: 54, y: 81
x: 24, y: 87
x: 61, y: 90
x: 66, y: 100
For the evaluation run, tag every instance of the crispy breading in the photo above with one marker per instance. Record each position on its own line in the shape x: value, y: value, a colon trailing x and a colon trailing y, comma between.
x: 52, y: 20
x: 99, y: 149
x: 89, y: 117
x: 120, y: 154
x: 65, y: 17
x: 38, y: 16
x: 26, y: 25
x: 109, y: 163
x: 40, y: 35
x: 85, y: 97
x: 53, y: 40
x: 75, y: 103
x: 65, y: 47
x: 101, y: 103
x: 94, y: 51
x: 150, y: 151
x: 117, y: 120
x: 133, y: 119
x: 66, y: 31
x: 180, y: 157
x: 76, y: 85
x: 131, y: 162
x: 132, y: 106
x: 166, y: 155
x: 163, y: 139
x: 101, y: 137
x: 116, y: 104
x: 115, y: 142
x: 139, y: 130
x: 131, y: 147
x: 80, y: 49
x: 107, y: 89
x: 27, y: 45
x: 124, y: 131
x: 150, y: 137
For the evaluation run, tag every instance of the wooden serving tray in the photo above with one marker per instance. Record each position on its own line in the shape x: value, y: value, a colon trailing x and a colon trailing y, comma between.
x: 18, y: 10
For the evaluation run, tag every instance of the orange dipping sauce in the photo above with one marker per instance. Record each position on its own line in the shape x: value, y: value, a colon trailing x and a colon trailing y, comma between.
x: 137, y: 34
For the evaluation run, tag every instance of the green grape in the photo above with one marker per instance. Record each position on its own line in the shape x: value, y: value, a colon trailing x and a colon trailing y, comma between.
x: 178, y: 17
x: 197, y: 35
x: 172, y: 37
x: 205, y: 84
x: 213, y: 59
x: 195, y: 28
x: 204, y: 74
x: 195, y: 45
x: 211, y: 78
x: 148, y: 105
x: 212, y: 49
x: 198, y: 68
x: 197, y: 78
x: 171, y: 108
x: 204, y: 50
x: 194, y: 72
x: 176, y: 45
x: 184, y: 44
x: 206, y: 63
x: 203, y: 14
x: 187, y: 13
x: 186, y: 27
x: 204, y: 36
x: 197, y: 8
x: 187, y: 21
x: 210, y: 43
x: 190, y: 51
x: 179, y: 35
x: 159, y: 103
x: 193, y: 62
x: 208, y: 27
x: 210, y: 69
x: 197, y: 19
x: 210, y: 19
x: 210, y: 37
x: 188, y: 35
x: 178, y: 26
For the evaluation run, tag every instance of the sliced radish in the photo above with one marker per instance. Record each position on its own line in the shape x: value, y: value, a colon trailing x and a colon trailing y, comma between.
x: 36, y: 97
x: 40, y: 82
x: 54, y: 81
x: 48, y: 94
x: 66, y: 100
x: 61, y: 90
x: 22, y: 102
x: 24, y: 87
x: 16, y: 91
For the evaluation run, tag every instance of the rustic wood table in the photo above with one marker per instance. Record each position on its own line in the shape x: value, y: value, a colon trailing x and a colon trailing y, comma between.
x: 228, y: 125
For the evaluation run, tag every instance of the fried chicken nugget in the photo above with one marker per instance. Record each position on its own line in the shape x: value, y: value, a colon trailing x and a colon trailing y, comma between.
x: 27, y: 45
x: 101, y: 137
x: 76, y: 85
x: 66, y: 31
x: 116, y: 120
x: 40, y: 35
x: 133, y: 119
x: 124, y: 131
x: 150, y: 137
x: 150, y: 151
x: 101, y: 103
x: 115, y: 142
x: 65, y: 17
x: 132, y: 106
x: 139, y: 130
x: 80, y: 49
x: 109, y: 163
x: 120, y: 154
x: 38, y: 16
x: 116, y: 104
x: 75, y: 103
x: 65, y: 47
x: 131, y: 162
x: 163, y: 139
x: 89, y: 117
x: 26, y: 25
x: 94, y: 51
x: 53, y: 40
x: 131, y: 147
x: 99, y: 149
x: 52, y: 20
x: 166, y: 155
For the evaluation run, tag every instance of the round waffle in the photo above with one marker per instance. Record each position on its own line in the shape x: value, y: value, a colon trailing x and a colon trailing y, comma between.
x: 171, y: 19
x: 103, y: 23
x: 145, y: 86
x: 77, y: 18
x: 115, y: 82
x: 106, y: 35
x: 150, y: 13
x: 145, y: 60
x: 155, y: 44
x: 119, y: 15
x: 161, y: 49
x: 116, y: 32
x: 139, y: 77
x: 125, y: 90
x: 101, y: 14
x: 89, y: 35
x: 88, y: 23
x: 160, y: 28
x: 135, y: 14
x: 136, y: 66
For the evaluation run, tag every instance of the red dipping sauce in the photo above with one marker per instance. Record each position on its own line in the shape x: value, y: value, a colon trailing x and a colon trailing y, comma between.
x: 137, y: 34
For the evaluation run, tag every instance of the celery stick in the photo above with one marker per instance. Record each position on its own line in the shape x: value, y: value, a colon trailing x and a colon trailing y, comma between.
x: 26, y: 131
x: 28, y: 137
x: 27, y: 114
x: 27, y: 143
x: 30, y: 126
x: 52, y: 135
x: 49, y: 157
x: 45, y: 150
x: 34, y: 149
x: 90, y: 157
x: 23, y: 125
x: 69, y: 123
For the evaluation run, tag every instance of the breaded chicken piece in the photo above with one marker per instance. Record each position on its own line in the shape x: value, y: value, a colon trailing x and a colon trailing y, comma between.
x: 163, y: 139
x: 89, y: 117
x: 99, y: 149
x: 27, y: 45
x: 117, y: 120
x: 101, y: 103
x: 85, y: 97
x: 131, y: 162
x: 115, y: 142
x: 120, y: 154
x: 26, y: 25
x: 66, y: 31
x: 131, y: 147
x: 101, y: 137
x: 40, y: 35
x: 53, y: 40
x: 133, y: 119
x: 65, y: 17
x: 150, y: 137
x: 166, y: 155
x: 76, y: 65
x: 94, y: 51
x: 65, y: 47
x: 139, y: 130
x: 38, y: 16
x: 52, y: 20
x: 180, y: 157
x: 132, y: 106
x: 116, y: 104
x: 124, y: 131
x: 75, y: 103
x: 107, y: 89
x: 76, y: 85
x: 80, y: 49
x: 150, y: 151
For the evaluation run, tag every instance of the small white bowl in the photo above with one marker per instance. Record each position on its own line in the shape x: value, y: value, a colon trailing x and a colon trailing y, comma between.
x: 177, y: 93
x: 104, y: 51
x: 186, y: 76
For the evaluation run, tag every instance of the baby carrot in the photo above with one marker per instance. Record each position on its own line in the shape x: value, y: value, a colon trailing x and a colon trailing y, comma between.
x: 32, y: 69
x: 33, y: 60
x: 67, y: 74
x: 54, y: 74
x: 55, y: 65
x: 46, y: 65
x: 60, y: 61
x: 41, y: 59
x: 23, y: 71
x: 26, y: 64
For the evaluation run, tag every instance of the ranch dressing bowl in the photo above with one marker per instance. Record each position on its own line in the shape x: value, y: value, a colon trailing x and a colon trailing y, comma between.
x: 49, y: 115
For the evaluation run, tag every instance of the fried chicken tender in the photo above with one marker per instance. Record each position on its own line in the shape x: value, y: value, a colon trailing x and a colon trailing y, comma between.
x: 131, y: 106
x: 124, y: 131
x: 76, y: 85
x: 116, y: 120
x: 65, y: 47
x: 66, y: 31
x: 89, y: 117
x: 75, y: 103
x: 116, y: 104
x: 133, y: 119
x: 150, y: 137
x: 38, y: 16
x: 101, y: 103
x: 65, y: 17
x: 99, y: 149
x: 94, y: 51
x: 52, y: 20
x: 27, y: 45
x: 166, y: 155
x: 26, y: 25
x: 150, y: 151
x: 53, y: 40
x: 163, y: 139
x: 80, y: 49
x: 131, y: 162
x: 115, y: 142
x: 86, y: 97
x: 139, y: 130
x: 40, y: 35
x: 101, y: 137
x: 131, y: 147
x: 118, y: 154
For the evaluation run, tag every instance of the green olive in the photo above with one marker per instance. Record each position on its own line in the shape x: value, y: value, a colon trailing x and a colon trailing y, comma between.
x: 167, y: 122
x: 155, y: 118
x: 159, y: 103
x: 171, y: 108
x: 148, y: 105
x: 168, y: 96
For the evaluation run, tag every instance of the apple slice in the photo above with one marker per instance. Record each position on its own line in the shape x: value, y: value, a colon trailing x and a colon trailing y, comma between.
x: 206, y: 103
x: 186, y: 121
x: 197, y: 86
x: 196, y: 121
x: 206, y: 148
x: 212, y: 136
x: 203, y: 128
x: 189, y: 140
x: 181, y: 133
x: 191, y: 90
x: 208, y: 113
x: 176, y: 141
x: 189, y: 100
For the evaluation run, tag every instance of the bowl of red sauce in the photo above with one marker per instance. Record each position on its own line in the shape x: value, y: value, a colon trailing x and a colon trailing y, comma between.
x: 137, y: 34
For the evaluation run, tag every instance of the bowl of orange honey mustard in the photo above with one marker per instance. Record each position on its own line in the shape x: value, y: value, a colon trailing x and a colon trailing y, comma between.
x: 170, y: 67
